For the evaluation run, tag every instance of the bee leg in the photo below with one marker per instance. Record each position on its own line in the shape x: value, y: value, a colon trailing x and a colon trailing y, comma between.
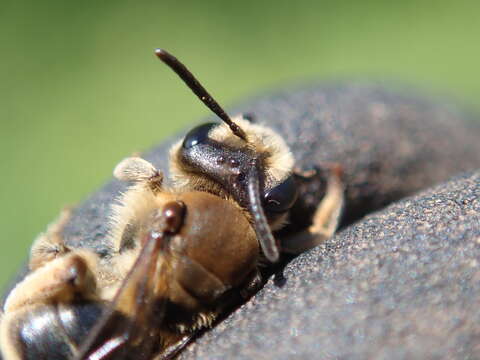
x: 305, y: 174
x: 49, y: 245
x: 253, y: 284
x: 171, y: 351
x: 326, y: 217
x: 60, y: 280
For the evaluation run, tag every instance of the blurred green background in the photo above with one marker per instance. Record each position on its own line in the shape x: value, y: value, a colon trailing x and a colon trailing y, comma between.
x: 80, y: 87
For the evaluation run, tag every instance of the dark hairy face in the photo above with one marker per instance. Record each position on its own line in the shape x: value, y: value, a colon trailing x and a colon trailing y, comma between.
x: 231, y: 169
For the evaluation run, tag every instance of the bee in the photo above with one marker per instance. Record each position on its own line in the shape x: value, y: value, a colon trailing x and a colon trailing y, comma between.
x: 179, y: 255
x: 251, y: 164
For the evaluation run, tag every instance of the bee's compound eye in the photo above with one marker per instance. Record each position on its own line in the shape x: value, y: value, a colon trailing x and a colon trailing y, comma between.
x: 174, y: 214
x: 197, y: 135
x: 282, y: 197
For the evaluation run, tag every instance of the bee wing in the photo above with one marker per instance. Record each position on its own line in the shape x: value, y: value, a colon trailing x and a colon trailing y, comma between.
x: 128, y: 328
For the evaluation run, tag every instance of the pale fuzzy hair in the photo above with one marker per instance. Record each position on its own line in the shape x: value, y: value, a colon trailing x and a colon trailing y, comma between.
x: 44, y: 284
x: 128, y: 207
x: 177, y: 174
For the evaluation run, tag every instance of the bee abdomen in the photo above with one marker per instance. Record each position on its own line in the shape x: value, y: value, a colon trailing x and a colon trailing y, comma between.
x: 52, y: 332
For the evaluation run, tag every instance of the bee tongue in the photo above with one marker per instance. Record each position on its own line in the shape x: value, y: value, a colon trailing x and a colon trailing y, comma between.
x: 260, y: 223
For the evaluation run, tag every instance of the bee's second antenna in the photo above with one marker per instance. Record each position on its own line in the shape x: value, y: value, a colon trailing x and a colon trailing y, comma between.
x: 189, y: 79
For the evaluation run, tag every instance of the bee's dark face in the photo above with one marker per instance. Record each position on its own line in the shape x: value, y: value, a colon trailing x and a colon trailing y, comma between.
x: 224, y: 165
x: 230, y: 167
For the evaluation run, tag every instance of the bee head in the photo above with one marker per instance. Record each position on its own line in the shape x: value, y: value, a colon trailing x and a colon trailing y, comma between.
x: 238, y: 159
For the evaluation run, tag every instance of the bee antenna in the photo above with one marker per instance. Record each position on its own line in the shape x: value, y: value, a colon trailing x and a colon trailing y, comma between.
x: 260, y: 223
x: 189, y: 79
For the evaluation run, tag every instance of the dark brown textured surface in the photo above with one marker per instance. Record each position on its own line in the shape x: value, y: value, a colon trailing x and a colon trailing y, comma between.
x: 403, y: 283
x: 390, y: 144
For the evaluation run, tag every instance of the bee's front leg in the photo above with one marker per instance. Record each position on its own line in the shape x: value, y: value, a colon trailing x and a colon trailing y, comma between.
x: 325, y: 219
